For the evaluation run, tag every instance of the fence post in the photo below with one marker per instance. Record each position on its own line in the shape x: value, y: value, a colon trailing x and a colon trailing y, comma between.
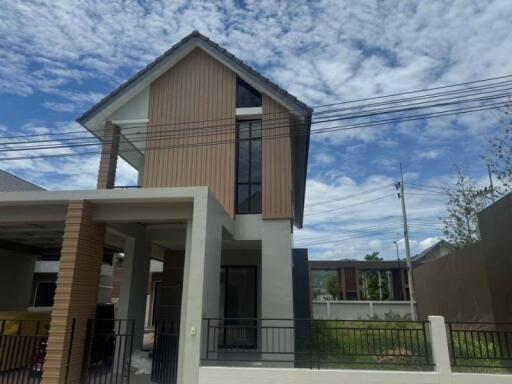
x: 328, y: 310
x: 440, y: 352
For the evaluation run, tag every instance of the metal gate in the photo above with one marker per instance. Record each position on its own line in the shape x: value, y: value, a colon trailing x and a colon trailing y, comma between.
x: 108, y: 352
x: 165, y: 353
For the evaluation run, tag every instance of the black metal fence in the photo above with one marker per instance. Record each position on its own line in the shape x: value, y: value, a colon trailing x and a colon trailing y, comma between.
x: 23, y: 349
x: 165, y: 353
x: 108, y: 351
x: 480, y: 345
x: 318, y: 343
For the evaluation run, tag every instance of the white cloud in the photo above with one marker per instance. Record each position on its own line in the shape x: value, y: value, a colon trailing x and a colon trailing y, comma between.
x: 74, y: 52
x: 59, y: 173
x: 324, y: 158
x: 59, y: 107
x: 430, y: 154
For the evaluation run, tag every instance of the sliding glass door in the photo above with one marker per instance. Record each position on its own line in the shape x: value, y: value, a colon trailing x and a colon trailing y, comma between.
x: 239, y: 306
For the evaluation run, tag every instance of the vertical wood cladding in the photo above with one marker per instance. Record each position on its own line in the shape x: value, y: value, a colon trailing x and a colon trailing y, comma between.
x: 108, y: 159
x: 277, y: 190
x: 76, y: 292
x: 196, y: 89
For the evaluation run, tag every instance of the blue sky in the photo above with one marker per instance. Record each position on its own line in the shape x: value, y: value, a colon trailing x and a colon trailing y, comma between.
x: 57, y: 58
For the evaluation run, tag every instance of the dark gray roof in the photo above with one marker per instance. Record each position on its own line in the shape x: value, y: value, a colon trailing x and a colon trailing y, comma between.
x: 193, y: 35
x: 432, y: 249
x: 11, y: 183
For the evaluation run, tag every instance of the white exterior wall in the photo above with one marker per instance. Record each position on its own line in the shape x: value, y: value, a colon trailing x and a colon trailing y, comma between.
x: 358, y: 310
x: 231, y: 375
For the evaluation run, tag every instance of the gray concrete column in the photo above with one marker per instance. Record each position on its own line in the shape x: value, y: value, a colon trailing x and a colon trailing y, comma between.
x: 134, y: 285
x: 201, y: 283
x: 277, y: 293
x: 276, y: 270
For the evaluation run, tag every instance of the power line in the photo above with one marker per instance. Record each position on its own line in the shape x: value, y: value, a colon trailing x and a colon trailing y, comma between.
x: 372, y: 234
x: 423, y: 90
x: 231, y: 127
x: 320, y: 106
x: 346, y: 197
x: 287, y: 135
x: 350, y: 206
x: 432, y: 96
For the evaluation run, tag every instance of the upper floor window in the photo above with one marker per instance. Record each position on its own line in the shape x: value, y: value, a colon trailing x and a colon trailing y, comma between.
x: 249, y: 167
x: 246, y: 96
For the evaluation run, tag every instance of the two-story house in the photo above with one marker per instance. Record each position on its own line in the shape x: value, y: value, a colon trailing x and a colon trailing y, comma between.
x: 222, y: 154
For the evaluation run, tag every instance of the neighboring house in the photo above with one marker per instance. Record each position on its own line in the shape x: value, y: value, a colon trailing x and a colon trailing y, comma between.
x: 434, y: 252
x: 12, y: 183
x: 472, y: 283
x: 222, y: 154
x: 359, y: 289
x: 36, y: 260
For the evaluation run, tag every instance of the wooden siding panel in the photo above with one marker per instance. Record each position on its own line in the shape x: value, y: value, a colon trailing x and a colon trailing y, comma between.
x: 277, y: 187
x: 76, y: 292
x: 198, y: 89
x: 108, y: 159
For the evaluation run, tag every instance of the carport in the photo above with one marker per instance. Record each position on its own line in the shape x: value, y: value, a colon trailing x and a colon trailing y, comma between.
x: 82, y: 223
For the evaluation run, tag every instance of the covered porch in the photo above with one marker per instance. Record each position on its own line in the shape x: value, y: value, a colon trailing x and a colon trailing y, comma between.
x: 184, y: 227
x: 213, y: 267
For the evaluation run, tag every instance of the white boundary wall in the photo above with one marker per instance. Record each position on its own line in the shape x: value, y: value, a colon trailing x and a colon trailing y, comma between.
x: 442, y: 373
x: 357, y: 309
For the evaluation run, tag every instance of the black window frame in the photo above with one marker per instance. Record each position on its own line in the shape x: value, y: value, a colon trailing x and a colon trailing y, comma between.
x: 249, y: 183
x: 250, y: 89
x: 250, y: 323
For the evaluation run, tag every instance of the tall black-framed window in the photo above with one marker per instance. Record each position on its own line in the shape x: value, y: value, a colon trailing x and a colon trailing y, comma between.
x: 248, y: 189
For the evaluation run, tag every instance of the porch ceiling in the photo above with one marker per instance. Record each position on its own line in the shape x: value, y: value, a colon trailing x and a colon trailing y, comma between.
x: 38, y: 236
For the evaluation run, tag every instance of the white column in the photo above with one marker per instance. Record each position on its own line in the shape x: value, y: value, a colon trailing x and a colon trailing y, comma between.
x: 134, y: 285
x: 201, y: 284
x: 440, y: 351
x: 276, y: 289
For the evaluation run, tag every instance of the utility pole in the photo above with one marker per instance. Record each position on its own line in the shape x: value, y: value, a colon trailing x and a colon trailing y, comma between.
x: 407, y: 246
x: 397, y: 254
x: 493, y: 197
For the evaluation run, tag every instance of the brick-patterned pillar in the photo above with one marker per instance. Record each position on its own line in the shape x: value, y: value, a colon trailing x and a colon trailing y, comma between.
x: 76, y: 293
x: 109, y: 153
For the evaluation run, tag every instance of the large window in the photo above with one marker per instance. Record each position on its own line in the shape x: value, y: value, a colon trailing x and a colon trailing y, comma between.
x: 249, y: 167
x: 247, y: 96
x: 238, y: 303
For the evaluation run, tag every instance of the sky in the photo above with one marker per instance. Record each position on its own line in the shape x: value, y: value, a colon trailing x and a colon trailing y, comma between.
x: 58, y: 58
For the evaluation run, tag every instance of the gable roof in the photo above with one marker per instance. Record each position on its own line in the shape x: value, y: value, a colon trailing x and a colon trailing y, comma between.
x: 198, y: 38
x: 11, y: 183
x: 435, y: 250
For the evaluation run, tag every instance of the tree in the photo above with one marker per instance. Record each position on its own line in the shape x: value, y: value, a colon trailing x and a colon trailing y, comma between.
x: 375, y: 285
x: 460, y: 225
x: 373, y: 256
x: 330, y: 284
x: 500, y: 151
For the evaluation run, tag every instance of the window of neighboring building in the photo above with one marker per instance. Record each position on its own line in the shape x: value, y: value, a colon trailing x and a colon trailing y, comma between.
x: 249, y: 167
x: 351, y: 296
x: 246, y: 96
x: 45, y: 291
x: 325, y: 284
